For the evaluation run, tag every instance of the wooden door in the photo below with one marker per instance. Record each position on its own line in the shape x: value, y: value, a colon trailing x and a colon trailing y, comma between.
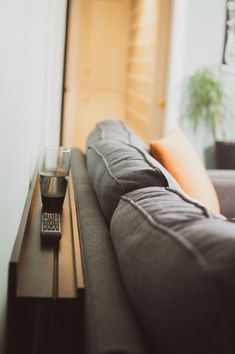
x: 95, y: 81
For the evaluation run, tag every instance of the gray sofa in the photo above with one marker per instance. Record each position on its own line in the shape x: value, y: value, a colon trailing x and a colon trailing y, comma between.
x: 159, y: 267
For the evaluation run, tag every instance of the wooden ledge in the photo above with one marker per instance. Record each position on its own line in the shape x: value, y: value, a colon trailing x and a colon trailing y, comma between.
x: 40, y: 271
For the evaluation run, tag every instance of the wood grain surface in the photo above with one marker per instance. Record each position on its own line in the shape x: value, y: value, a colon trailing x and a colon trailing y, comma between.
x: 43, y: 271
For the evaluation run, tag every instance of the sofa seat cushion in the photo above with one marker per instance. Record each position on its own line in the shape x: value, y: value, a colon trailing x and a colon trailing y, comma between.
x: 177, y: 259
x: 115, y: 130
x: 116, y: 168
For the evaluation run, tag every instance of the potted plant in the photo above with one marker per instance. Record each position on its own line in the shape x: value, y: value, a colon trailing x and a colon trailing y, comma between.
x: 207, y: 104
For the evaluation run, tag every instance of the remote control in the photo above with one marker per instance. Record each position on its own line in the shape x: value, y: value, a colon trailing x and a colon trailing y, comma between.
x: 50, y: 227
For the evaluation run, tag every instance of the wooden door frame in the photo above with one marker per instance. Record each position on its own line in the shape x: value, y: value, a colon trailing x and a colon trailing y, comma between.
x: 163, y: 31
x: 70, y: 61
x: 75, y: 73
x: 68, y: 11
x: 176, y: 64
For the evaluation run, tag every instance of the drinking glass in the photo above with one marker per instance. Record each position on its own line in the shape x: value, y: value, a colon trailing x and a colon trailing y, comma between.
x: 54, y: 164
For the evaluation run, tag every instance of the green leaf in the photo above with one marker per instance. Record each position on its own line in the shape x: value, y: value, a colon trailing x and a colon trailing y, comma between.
x: 206, y: 100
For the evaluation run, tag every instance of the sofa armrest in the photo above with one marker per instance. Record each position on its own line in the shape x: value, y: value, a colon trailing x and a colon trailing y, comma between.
x: 111, y: 325
x: 224, y: 183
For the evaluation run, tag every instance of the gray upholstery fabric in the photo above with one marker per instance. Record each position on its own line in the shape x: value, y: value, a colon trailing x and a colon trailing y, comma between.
x: 114, y: 130
x: 116, y: 168
x: 111, y: 324
x: 178, y: 263
x: 224, y: 183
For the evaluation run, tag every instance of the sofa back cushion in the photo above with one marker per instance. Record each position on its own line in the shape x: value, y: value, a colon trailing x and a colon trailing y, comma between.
x: 116, y: 168
x: 177, y: 260
x: 116, y: 131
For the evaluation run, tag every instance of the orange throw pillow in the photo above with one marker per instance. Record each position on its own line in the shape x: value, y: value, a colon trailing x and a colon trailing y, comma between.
x: 178, y: 156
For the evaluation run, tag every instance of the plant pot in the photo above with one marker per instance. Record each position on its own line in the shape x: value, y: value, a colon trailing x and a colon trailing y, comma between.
x: 225, y: 155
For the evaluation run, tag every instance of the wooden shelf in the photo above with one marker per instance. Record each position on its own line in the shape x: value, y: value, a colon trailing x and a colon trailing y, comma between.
x: 42, y: 272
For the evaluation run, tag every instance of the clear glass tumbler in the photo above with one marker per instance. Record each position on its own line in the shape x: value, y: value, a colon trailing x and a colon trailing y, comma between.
x: 54, y: 165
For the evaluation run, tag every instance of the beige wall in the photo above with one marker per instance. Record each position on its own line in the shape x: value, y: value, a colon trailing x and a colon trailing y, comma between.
x: 147, y: 66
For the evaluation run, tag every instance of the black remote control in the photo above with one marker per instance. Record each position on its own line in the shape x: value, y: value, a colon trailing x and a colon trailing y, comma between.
x: 50, y: 227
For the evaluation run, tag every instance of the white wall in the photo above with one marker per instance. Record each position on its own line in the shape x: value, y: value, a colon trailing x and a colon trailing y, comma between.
x: 31, y: 62
x: 204, y: 47
x: 205, y: 34
x: 197, y: 41
x: 197, y: 35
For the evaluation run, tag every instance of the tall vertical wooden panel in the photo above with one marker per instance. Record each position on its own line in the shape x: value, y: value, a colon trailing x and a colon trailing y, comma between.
x: 147, y: 66
x: 95, y: 82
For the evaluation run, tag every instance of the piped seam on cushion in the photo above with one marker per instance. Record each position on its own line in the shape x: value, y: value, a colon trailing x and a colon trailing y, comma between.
x: 184, y: 243
x: 150, y: 164
x: 187, y: 245
x: 92, y: 147
x: 208, y: 213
